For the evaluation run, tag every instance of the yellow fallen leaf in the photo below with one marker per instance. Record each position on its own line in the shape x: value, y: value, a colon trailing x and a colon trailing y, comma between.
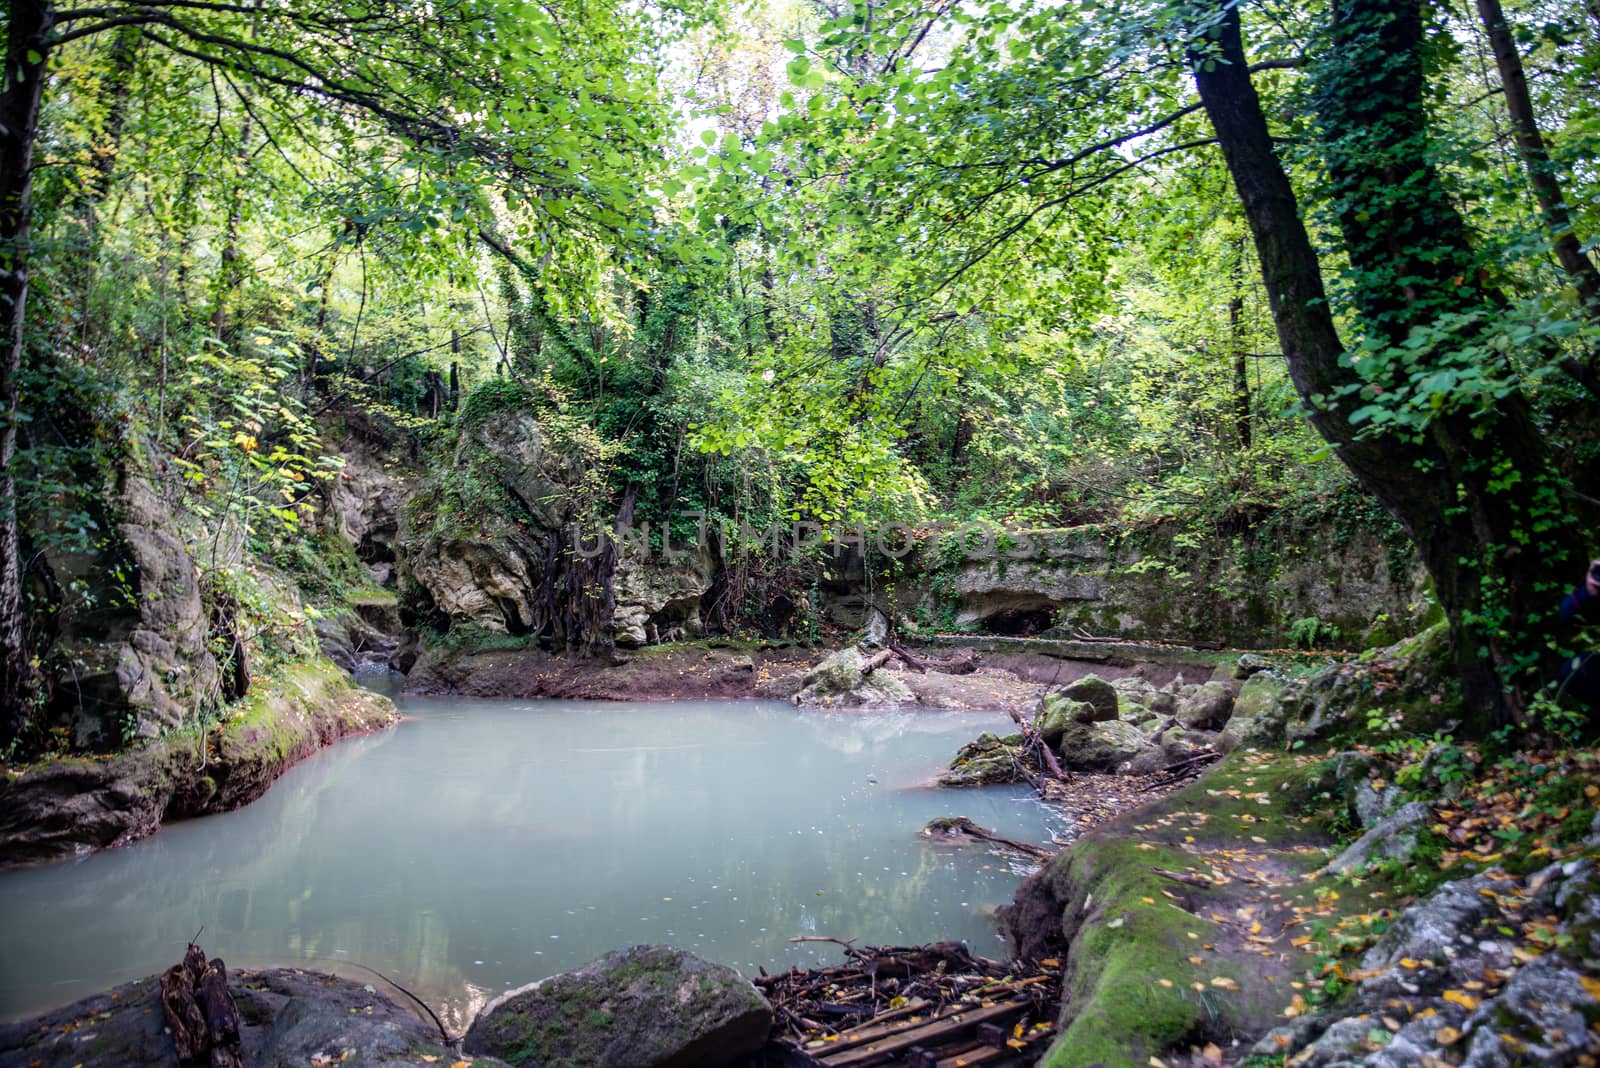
x: 1165, y: 982
x: 1016, y: 1043
x: 1462, y: 998
x: 1590, y: 983
x: 1447, y: 1036
x: 1225, y: 983
x: 1050, y: 962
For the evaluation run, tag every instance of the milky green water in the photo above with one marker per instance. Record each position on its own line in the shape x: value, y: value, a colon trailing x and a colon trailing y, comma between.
x: 481, y: 845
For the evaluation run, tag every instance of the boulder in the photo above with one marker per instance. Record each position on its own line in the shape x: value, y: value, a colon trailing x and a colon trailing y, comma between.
x: 837, y: 682
x: 1057, y: 712
x: 645, y: 1007
x: 1257, y: 719
x: 1250, y: 664
x: 1208, y: 707
x: 1104, y: 746
x: 1095, y: 691
x: 986, y: 761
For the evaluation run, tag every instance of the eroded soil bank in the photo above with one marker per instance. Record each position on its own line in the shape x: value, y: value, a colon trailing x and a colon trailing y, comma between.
x: 995, y: 673
x: 73, y: 805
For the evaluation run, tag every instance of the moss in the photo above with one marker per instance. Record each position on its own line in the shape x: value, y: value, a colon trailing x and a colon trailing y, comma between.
x: 1131, y: 935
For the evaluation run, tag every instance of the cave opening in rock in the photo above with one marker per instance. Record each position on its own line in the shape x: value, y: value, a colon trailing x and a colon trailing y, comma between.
x: 1021, y: 622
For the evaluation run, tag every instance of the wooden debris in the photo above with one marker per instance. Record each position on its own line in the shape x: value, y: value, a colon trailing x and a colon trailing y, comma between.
x: 933, y: 1005
x: 200, y: 1012
x: 960, y: 826
x: 1033, y: 742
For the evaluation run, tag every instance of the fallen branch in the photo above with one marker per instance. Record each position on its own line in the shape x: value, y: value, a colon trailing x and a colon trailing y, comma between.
x: 953, y: 825
x: 1032, y: 739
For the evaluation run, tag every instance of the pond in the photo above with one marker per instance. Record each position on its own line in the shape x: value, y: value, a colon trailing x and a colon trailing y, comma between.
x: 485, y: 844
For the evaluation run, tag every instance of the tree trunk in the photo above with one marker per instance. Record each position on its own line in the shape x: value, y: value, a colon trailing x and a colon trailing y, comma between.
x: 27, y: 48
x: 1494, y: 570
x: 1542, y: 177
x: 1241, y: 361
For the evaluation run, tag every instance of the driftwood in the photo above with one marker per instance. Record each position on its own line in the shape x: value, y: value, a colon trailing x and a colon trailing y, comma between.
x: 876, y: 661
x: 200, y: 1012
x: 954, y: 825
x: 1032, y: 740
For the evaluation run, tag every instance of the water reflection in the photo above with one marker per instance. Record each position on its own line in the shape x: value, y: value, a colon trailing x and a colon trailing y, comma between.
x: 481, y: 845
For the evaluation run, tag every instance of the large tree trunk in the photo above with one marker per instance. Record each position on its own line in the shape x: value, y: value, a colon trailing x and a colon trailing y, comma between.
x: 1473, y: 492
x: 27, y: 47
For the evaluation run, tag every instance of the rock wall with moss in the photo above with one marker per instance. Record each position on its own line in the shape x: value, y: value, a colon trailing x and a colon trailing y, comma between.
x: 1339, y: 576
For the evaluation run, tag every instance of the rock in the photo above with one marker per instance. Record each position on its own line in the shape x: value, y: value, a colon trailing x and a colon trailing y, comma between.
x: 1102, y: 746
x: 1095, y: 691
x: 67, y: 806
x: 1181, y: 743
x: 986, y: 761
x: 1393, y: 838
x: 1250, y: 664
x: 362, y: 505
x: 658, y: 596
x: 290, y: 1019
x: 494, y: 581
x: 1057, y: 712
x: 1437, y: 920
x: 1541, y: 1017
x: 645, y: 1007
x: 1257, y: 719
x: 837, y: 682
x: 1208, y: 707
x: 136, y: 660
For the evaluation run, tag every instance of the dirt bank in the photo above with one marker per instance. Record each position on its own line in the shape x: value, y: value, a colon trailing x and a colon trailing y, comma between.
x: 1004, y: 676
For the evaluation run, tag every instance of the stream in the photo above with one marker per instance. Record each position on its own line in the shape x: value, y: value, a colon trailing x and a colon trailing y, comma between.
x: 483, y: 844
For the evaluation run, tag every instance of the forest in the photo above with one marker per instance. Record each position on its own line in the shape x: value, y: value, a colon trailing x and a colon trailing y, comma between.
x: 1239, y: 361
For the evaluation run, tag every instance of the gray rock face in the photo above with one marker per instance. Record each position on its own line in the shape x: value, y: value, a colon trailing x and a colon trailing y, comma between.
x: 837, y: 682
x: 1208, y: 707
x: 645, y: 1007
x: 658, y: 599
x: 363, y: 504
x: 1095, y: 692
x: 508, y: 557
x: 1391, y: 838
x: 493, y: 582
x: 139, y: 656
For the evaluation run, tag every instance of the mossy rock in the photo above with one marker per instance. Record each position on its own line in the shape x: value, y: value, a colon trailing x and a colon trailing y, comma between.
x: 645, y: 1007
x: 1095, y: 691
x: 1057, y: 712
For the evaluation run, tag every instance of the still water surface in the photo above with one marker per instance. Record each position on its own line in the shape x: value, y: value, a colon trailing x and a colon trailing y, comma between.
x: 482, y: 845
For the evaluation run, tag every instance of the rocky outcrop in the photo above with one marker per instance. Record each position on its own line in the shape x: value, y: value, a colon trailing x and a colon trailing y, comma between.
x: 72, y: 806
x: 645, y: 1007
x: 131, y: 656
x: 494, y: 543
x: 362, y: 505
x: 658, y: 597
x: 1472, y: 996
x: 289, y: 1019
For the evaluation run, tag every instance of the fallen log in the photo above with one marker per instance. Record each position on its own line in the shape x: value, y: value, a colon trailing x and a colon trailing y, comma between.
x: 960, y: 825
